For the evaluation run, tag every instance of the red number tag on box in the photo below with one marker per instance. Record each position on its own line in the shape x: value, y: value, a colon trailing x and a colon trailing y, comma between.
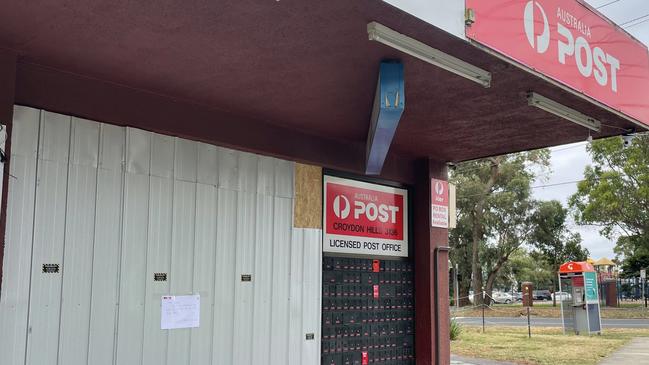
x: 365, y: 359
x: 376, y: 266
x: 376, y: 292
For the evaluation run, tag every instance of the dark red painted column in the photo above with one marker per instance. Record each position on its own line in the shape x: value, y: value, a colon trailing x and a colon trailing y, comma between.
x: 7, y: 88
x: 431, y: 321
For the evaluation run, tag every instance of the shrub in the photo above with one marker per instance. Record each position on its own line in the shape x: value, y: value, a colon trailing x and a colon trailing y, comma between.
x: 455, y: 329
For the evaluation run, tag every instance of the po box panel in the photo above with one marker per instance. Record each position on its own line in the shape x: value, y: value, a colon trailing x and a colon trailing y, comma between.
x: 368, y: 312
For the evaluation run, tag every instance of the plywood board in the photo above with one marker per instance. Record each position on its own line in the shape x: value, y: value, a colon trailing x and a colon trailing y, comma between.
x: 308, y: 196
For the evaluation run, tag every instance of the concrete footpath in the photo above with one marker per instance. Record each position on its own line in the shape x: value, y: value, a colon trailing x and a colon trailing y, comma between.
x: 636, y: 353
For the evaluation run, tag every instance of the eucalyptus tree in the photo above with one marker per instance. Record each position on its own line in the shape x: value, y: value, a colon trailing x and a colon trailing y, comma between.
x: 495, y: 208
x: 614, y: 194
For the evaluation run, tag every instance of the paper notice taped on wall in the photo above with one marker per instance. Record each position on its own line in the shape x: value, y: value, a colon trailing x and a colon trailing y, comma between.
x: 180, y: 311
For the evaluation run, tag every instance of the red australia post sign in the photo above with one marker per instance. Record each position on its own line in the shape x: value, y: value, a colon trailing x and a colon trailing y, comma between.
x: 364, y: 218
x: 571, y: 43
x: 439, y: 203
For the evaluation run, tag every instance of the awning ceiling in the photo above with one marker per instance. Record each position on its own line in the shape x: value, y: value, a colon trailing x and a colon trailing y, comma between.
x: 303, y: 66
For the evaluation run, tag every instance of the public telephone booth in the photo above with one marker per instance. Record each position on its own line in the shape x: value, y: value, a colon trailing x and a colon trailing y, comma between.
x: 579, y: 298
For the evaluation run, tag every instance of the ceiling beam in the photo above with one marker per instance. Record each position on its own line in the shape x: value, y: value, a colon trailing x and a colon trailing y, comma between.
x: 389, y: 102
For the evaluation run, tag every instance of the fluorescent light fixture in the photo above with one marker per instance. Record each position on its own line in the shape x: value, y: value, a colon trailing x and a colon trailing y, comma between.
x: 563, y: 111
x: 381, y: 33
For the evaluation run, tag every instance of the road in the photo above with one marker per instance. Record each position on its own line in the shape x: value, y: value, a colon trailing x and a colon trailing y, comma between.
x: 548, y: 322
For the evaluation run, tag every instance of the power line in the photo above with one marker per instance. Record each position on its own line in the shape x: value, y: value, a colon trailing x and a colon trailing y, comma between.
x: 557, y: 184
x: 627, y: 22
x: 476, y: 168
x: 607, y: 4
x: 534, y: 187
x: 633, y: 20
x: 633, y: 25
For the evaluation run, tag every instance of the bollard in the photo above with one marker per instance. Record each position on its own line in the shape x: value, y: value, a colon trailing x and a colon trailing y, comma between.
x: 483, y: 317
x: 529, y: 327
x: 483, y: 308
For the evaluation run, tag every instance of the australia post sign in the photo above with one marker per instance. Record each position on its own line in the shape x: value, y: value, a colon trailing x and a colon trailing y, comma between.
x: 439, y: 203
x: 571, y: 43
x: 363, y: 218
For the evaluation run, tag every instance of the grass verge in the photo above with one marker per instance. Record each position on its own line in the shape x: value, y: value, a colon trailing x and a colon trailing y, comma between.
x: 548, y: 346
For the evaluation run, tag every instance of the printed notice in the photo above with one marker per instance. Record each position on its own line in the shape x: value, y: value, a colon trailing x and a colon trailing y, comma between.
x: 180, y: 311
x: 439, y: 206
x: 590, y: 283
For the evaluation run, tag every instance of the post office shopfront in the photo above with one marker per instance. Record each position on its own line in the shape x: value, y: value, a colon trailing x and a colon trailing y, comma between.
x: 263, y: 182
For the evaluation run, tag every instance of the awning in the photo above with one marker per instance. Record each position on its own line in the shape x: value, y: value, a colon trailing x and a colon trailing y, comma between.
x: 287, y: 78
x: 576, y: 267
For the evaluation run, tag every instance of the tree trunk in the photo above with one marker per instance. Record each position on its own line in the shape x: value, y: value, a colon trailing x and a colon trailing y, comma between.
x: 493, y: 274
x: 476, y: 269
x: 491, y: 279
x: 478, y: 229
x: 554, y: 288
x: 465, y: 286
x: 489, y: 288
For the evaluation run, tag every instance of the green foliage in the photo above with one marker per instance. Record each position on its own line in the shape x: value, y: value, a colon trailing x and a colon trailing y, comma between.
x: 550, y: 219
x: 455, y: 329
x: 497, y: 218
x: 615, y: 193
x: 629, y: 246
x: 527, y: 267
x: 573, y: 251
x: 494, y: 210
x: 460, y: 240
x: 554, y: 244
x: 633, y: 264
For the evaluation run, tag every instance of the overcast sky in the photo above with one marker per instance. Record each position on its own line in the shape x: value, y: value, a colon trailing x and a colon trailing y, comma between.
x: 568, y: 161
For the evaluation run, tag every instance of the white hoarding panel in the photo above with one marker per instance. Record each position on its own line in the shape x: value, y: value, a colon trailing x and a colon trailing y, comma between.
x: 106, y: 252
x: 14, y: 298
x: 79, y: 242
x: 123, y: 217
x: 49, y: 239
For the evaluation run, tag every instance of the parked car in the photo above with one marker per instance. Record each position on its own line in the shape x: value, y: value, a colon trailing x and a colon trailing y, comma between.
x: 501, y: 298
x: 561, y: 296
x: 542, y: 295
x: 518, y: 297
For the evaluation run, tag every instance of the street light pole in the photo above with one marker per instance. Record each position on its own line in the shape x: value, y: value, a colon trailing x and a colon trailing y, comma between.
x: 483, y: 308
x: 643, y: 283
x: 456, y: 287
x: 644, y: 295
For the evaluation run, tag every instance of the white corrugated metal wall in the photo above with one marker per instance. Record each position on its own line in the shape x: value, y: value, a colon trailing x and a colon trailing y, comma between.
x: 115, y: 205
